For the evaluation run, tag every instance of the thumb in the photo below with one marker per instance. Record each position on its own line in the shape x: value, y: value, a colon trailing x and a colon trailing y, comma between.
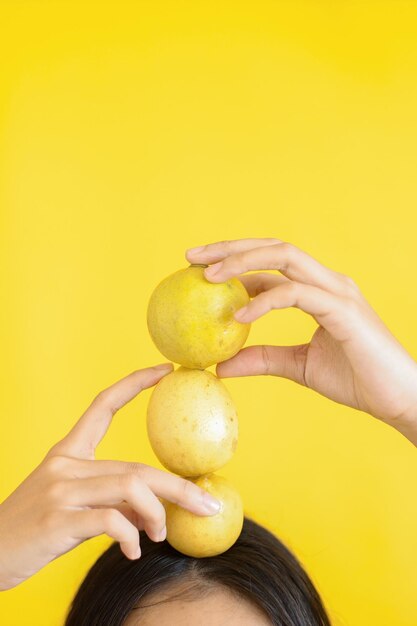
x: 286, y: 361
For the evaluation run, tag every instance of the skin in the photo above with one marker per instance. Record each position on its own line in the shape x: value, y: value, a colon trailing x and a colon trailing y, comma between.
x: 352, y: 357
x: 219, y: 607
x: 71, y: 497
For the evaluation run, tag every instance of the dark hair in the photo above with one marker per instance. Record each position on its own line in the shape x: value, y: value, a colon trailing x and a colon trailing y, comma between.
x: 258, y: 567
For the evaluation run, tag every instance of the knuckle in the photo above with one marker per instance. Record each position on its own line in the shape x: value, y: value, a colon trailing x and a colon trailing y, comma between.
x: 281, y: 257
x: 238, y: 259
x: 351, y: 284
x: 111, y: 518
x: 105, y: 399
x: 130, y: 483
x: 185, y: 490
x: 291, y: 289
x: 55, y: 464
x: 225, y: 245
x: 55, y: 492
x: 265, y: 360
x: 234, y: 263
x: 345, y: 278
x: 101, y: 397
x: 350, y: 307
x: 138, y: 469
x: 300, y: 364
x: 286, y: 248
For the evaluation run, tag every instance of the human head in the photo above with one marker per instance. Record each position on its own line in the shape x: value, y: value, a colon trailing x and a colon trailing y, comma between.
x: 258, y: 571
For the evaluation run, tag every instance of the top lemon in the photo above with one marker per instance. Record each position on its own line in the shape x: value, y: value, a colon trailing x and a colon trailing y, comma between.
x: 191, y: 320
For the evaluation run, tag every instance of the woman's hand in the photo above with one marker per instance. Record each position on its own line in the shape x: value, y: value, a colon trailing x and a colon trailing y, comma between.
x: 352, y: 357
x: 70, y: 496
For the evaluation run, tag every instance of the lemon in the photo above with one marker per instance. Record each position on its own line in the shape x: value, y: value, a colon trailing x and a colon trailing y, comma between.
x: 191, y: 320
x: 206, y: 536
x: 192, y: 423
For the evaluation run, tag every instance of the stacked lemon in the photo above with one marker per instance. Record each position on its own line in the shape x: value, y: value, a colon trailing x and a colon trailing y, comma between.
x: 192, y: 422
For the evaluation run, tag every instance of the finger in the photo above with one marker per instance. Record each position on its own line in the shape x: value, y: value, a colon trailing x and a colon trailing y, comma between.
x: 116, y: 489
x: 125, y: 509
x: 163, y: 484
x: 94, y: 522
x: 90, y: 429
x: 331, y: 312
x: 259, y: 282
x: 285, y: 361
x: 289, y: 260
x: 214, y: 252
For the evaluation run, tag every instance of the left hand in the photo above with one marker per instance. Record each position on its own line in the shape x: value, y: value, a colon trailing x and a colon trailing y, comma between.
x: 71, y: 497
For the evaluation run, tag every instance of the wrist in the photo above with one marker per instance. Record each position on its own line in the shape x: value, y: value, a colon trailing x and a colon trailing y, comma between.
x: 406, y: 423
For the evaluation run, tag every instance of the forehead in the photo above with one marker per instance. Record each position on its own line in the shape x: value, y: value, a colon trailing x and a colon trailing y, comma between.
x: 219, y: 607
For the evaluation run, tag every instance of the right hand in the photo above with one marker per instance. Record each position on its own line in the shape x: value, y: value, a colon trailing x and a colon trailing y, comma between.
x: 71, y: 497
x: 352, y: 357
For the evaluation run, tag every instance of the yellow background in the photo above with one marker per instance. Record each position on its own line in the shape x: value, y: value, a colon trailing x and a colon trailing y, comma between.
x: 132, y: 130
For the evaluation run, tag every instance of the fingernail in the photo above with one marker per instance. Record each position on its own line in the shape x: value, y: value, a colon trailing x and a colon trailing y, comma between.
x: 163, y: 534
x: 239, y: 315
x: 211, y: 505
x: 213, y: 269
x: 163, y: 366
x: 196, y: 250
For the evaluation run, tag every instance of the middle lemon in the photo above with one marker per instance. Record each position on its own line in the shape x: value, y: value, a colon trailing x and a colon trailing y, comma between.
x: 192, y: 423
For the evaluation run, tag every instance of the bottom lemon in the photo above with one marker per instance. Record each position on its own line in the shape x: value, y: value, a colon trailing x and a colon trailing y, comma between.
x: 206, y: 536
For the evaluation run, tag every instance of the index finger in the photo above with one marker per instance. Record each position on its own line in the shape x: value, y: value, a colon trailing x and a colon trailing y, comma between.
x: 163, y: 484
x: 214, y: 252
x: 292, y: 262
x: 90, y: 429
